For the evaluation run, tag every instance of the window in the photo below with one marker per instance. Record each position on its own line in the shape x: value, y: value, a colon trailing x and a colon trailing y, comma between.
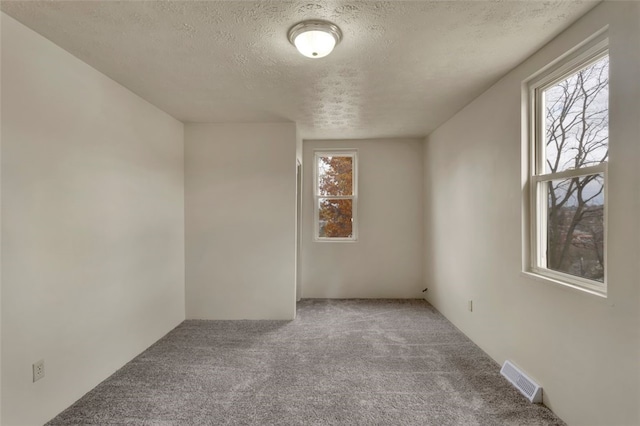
x: 569, y: 153
x: 335, y: 195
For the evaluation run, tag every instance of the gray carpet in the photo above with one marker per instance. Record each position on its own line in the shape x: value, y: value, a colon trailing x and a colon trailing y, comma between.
x: 341, y: 362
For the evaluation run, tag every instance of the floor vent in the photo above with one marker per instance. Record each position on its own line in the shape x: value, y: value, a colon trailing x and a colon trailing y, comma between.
x: 524, y: 384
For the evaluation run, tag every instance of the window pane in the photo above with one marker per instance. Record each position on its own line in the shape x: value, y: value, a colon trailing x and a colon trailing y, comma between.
x: 335, y: 218
x: 575, y: 226
x: 335, y: 175
x: 577, y: 119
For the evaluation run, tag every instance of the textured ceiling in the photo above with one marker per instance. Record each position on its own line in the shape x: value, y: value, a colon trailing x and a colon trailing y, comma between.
x: 401, y: 69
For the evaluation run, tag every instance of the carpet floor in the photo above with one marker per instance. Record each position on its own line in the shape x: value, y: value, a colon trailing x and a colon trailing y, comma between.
x: 341, y: 362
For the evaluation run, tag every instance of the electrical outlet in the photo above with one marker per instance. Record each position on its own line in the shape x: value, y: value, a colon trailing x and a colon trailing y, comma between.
x: 38, y: 370
x: 470, y: 305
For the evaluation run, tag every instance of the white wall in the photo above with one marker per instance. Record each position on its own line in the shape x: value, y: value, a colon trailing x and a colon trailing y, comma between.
x: 386, y: 261
x: 92, y: 225
x: 0, y: 233
x: 299, y: 214
x: 240, y: 220
x: 584, y: 350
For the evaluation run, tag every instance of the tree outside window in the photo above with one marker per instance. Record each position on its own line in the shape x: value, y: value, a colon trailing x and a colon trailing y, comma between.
x: 571, y: 151
x: 335, y: 195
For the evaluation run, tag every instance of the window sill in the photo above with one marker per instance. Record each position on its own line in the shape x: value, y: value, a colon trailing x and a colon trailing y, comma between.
x: 548, y: 280
x: 335, y: 240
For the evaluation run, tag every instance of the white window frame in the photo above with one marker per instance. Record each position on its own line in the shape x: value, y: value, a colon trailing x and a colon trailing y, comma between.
x: 592, y: 51
x: 353, y: 153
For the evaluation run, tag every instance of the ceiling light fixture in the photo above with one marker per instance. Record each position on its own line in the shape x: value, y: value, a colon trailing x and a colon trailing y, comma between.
x: 315, y: 38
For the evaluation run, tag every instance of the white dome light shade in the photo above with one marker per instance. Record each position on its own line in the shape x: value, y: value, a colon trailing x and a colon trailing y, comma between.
x: 315, y: 39
x: 315, y: 44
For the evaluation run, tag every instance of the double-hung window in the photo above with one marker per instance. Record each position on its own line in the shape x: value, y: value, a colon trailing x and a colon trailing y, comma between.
x: 335, y: 195
x: 569, y: 140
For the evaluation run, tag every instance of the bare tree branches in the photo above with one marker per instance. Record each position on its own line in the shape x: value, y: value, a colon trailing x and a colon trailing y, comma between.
x: 576, y: 136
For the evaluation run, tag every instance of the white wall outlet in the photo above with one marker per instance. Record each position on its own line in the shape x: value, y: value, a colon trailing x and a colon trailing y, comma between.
x: 38, y: 370
x: 470, y: 305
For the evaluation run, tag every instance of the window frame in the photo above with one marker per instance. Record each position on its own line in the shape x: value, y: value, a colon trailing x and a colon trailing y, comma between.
x: 353, y: 153
x: 592, y: 51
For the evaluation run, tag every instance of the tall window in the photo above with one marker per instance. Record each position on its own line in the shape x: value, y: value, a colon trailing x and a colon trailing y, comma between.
x: 570, y: 148
x: 335, y: 195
